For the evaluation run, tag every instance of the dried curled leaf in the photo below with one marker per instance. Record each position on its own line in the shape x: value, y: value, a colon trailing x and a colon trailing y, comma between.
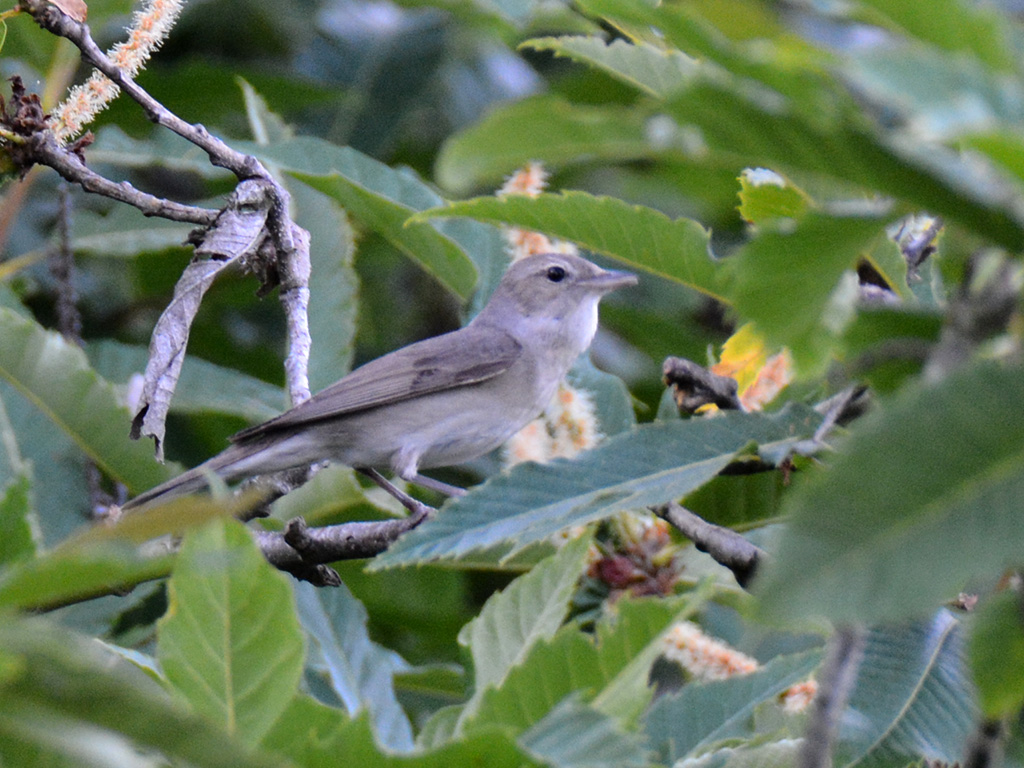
x: 76, y: 9
x: 237, y: 236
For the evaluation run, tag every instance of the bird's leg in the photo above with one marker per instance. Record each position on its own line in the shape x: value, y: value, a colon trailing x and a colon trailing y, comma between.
x: 407, y: 501
x: 437, y: 485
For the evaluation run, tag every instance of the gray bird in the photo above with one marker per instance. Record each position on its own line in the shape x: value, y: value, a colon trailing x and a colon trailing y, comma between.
x: 440, y: 401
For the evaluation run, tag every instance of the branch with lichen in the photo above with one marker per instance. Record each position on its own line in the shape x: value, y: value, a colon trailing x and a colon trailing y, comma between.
x: 288, y: 255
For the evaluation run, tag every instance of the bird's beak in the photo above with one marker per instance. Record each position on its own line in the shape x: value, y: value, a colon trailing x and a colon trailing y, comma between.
x: 608, y: 280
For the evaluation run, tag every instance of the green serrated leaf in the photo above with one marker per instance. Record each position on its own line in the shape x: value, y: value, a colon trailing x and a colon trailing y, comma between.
x: 126, y: 233
x: 312, y: 735
x: 648, y: 465
x: 643, y: 237
x: 610, y: 671
x: 162, y: 149
x: 531, y: 609
x: 997, y: 653
x: 701, y: 714
x: 230, y: 643
x: 575, y: 735
x: 68, y: 696
x: 56, y: 377
x: 784, y: 280
x: 657, y: 71
x: 358, y: 671
x: 929, y: 707
x: 542, y: 128
x: 765, y: 195
x: 930, y: 89
x: 629, y: 662
x: 1004, y: 146
x: 934, y: 477
x: 380, y: 198
x: 929, y: 178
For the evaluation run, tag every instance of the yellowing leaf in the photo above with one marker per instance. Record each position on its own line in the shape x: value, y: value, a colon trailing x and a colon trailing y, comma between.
x: 760, y: 378
x: 743, y: 355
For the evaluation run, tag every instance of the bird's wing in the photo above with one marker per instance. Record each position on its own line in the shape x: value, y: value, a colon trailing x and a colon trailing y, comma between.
x: 467, y: 356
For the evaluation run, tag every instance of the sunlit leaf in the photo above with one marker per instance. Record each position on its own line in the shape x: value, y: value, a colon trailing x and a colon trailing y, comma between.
x: 230, y: 643
x: 765, y: 195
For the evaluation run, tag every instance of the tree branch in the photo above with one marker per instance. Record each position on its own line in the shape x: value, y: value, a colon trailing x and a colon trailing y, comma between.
x: 725, y: 546
x: 835, y: 683
x: 695, y: 386
x: 43, y: 148
x: 303, y: 551
x: 288, y: 260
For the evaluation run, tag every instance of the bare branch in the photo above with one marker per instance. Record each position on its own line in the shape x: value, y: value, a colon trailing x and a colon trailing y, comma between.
x: 695, y: 386
x: 43, y: 148
x: 725, y: 546
x: 835, y: 683
x: 300, y: 549
x: 290, y: 251
x: 55, y: 21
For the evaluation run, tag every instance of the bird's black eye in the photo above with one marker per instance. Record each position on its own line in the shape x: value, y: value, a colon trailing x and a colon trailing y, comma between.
x: 556, y: 274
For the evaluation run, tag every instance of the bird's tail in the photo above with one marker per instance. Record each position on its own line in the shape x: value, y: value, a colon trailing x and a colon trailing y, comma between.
x: 224, y: 465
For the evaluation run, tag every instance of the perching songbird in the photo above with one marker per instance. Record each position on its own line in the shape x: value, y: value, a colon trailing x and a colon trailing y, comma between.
x: 440, y: 401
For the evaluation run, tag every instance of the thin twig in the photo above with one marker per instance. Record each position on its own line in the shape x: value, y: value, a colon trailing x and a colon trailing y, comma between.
x: 290, y: 242
x: 835, y: 684
x: 725, y: 546
x: 62, y: 269
x: 44, y: 149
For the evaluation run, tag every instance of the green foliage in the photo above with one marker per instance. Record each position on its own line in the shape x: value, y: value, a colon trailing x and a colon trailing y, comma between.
x: 230, y: 644
x: 997, y: 654
x: 56, y: 377
x: 868, y: 557
x: 929, y: 703
x: 755, y: 163
x: 702, y: 715
x: 651, y: 463
x: 643, y: 237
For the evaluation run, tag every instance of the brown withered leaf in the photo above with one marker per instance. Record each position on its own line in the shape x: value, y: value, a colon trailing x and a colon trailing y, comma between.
x: 76, y: 9
x: 236, y: 237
